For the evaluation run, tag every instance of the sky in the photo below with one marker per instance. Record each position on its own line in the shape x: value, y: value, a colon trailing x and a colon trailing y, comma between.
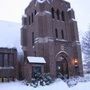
x: 12, y: 10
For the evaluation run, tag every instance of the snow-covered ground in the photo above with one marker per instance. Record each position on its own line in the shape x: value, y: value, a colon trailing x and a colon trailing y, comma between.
x: 83, y: 84
x: 10, y: 37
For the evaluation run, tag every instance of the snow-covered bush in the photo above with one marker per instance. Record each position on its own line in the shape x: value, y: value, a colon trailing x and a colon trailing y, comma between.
x: 34, y: 83
x: 40, y: 79
x: 71, y: 82
x: 47, y: 79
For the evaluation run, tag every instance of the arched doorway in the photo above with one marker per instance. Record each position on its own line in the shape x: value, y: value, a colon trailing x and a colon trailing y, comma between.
x: 62, y: 65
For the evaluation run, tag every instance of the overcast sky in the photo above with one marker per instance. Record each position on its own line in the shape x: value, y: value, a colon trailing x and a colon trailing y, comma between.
x: 12, y: 10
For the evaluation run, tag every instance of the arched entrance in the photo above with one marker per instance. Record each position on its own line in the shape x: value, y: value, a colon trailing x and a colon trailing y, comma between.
x: 62, y: 65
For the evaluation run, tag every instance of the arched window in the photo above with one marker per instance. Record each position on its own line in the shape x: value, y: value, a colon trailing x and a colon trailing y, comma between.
x: 29, y: 20
x: 35, y: 12
x: 58, y: 13
x: 24, y: 37
x: 63, y: 16
x: 52, y: 10
x: 32, y: 17
x: 62, y: 34
x: 32, y: 38
x: 56, y: 33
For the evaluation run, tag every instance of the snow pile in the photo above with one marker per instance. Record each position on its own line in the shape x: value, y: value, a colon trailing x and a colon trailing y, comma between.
x: 75, y: 80
x: 85, y: 79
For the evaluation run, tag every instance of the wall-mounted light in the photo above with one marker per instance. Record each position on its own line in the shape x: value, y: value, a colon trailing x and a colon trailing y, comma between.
x: 76, y: 63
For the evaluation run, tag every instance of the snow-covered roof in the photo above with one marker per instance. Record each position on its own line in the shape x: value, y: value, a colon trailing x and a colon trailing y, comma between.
x: 36, y: 59
x: 10, y: 35
x: 7, y: 67
x: 43, y: 13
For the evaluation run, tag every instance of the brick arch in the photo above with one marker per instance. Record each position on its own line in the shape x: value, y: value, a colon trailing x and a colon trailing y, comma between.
x: 62, y: 53
x: 62, y: 61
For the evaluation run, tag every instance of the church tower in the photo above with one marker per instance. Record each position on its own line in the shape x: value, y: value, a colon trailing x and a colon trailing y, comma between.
x: 50, y: 30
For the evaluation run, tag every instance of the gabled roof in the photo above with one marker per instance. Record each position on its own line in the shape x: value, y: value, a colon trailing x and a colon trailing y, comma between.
x: 36, y: 59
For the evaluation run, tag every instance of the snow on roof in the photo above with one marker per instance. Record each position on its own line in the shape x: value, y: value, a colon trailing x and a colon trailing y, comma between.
x: 69, y: 9
x: 10, y: 35
x: 11, y: 67
x: 63, y: 40
x: 43, y: 13
x: 42, y: 1
x: 36, y: 59
x: 73, y: 19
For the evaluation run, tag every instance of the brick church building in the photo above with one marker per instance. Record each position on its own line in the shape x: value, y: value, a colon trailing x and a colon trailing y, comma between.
x: 49, y: 32
x: 50, y: 43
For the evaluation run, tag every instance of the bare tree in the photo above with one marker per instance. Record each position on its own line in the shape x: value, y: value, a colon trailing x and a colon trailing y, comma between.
x: 86, y: 45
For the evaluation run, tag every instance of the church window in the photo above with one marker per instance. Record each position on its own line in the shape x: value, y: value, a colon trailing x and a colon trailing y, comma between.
x: 29, y: 20
x: 32, y: 17
x: 52, y: 10
x: 6, y: 60
x: 56, y: 33
x: 58, y: 13
x: 63, y: 16
x: 35, y: 12
x: 62, y: 34
x: 24, y: 36
x: 32, y: 38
